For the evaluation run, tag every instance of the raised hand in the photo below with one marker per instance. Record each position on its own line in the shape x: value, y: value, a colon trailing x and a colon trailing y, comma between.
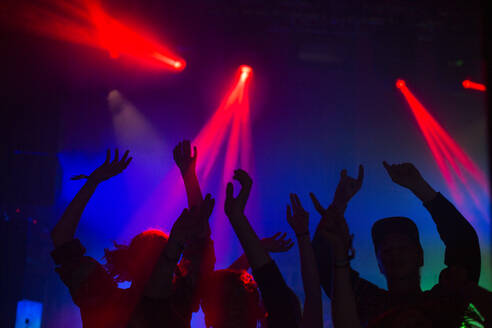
x: 183, y: 158
x: 297, y: 217
x: 405, y: 174
x: 108, y: 169
x: 347, y: 187
x: 277, y: 243
x: 333, y: 226
x: 235, y: 205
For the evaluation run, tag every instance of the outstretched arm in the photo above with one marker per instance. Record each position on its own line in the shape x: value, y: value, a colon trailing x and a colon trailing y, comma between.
x: 184, y: 230
x: 274, y: 244
x: 234, y: 208
x: 346, y: 189
x: 187, y: 165
x: 64, y: 230
x: 461, y: 240
x: 335, y: 232
x: 280, y: 302
x: 298, y: 219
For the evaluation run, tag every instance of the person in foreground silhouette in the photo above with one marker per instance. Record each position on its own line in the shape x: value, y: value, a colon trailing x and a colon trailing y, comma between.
x: 400, y: 257
x: 161, y: 293
x: 281, y: 304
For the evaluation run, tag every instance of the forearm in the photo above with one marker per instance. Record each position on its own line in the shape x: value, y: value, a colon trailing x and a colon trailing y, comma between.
x: 313, y: 309
x: 344, y: 309
x: 423, y: 191
x: 160, y: 282
x: 257, y: 256
x: 192, y: 186
x: 64, y: 230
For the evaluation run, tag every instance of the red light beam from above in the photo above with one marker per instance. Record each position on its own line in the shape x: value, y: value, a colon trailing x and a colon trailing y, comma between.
x: 85, y: 22
x: 451, y: 159
x: 229, y: 128
x: 467, y: 84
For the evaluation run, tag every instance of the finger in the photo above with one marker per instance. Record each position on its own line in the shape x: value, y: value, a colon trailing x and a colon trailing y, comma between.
x: 298, y: 202
x: 289, y: 214
x: 115, y: 159
x: 317, y: 204
x: 293, y: 202
x: 275, y: 236
x: 125, y: 155
x: 187, y: 148
x: 127, y: 163
x: 283, y: 235
x: 194, y: 152
x: 108, y: 156
x: 343, y: 173
x: 245, y: 181
x: 79, y: 177
x: 360, y: 178
x: 229, y: 191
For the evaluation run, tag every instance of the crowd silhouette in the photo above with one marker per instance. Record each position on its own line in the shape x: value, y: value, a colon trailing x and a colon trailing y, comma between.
x: 173, y: 275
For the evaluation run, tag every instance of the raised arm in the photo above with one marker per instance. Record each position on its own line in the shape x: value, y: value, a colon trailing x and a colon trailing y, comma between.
x: 234, y: 208
x: 184, y: 231
x: 298, y: 219
x: 335, y: 232
x: 186, y: 163
x: 346, y: 189
x: 461, y: 240
x: 278, y: 243
x: 64, y: 230
x: 280, y: 302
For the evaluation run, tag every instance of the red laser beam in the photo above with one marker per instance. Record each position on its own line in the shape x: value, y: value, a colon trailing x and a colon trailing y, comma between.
x: 467, y: 84
x: 85, y: 22
x: 449, y: 156
x: 229, y: 128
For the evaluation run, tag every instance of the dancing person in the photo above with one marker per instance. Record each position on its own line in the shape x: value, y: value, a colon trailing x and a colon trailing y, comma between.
x: 162, y: 298
x: 280, y: 302
x: 400, y: 257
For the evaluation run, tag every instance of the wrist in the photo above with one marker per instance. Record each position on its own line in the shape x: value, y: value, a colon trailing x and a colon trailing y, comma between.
x: 339, y: 206
x: 303, y: 235
x: 92, y: 182
x: 424, y: 191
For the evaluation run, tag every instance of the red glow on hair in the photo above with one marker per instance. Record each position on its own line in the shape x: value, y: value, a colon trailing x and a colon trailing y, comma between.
x: 467, y: 84
x: 86, y: 22
x: 451, y: 159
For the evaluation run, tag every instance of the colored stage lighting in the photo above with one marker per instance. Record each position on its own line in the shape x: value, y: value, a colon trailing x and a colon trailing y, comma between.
x: 227, y: 132
x: 86, y: 22
x: 400, y: 84
x: 467, y: 84
x: 452, y: 160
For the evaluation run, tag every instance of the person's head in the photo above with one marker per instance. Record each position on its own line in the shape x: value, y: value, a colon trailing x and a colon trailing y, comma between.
x: 231, y: 299
x: 398, y: 250
x: 135, y: 262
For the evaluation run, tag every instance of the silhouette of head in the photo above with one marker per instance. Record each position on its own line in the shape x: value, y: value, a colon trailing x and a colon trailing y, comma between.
x: 135, y: 262
x: 231, y: 299
x: 397, y: 245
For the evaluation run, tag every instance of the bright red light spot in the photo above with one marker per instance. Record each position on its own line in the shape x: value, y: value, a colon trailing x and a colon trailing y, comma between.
x: 17, y: 210
x: 400, y: 83
x: 34, y: 221
x: 467, y: 84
